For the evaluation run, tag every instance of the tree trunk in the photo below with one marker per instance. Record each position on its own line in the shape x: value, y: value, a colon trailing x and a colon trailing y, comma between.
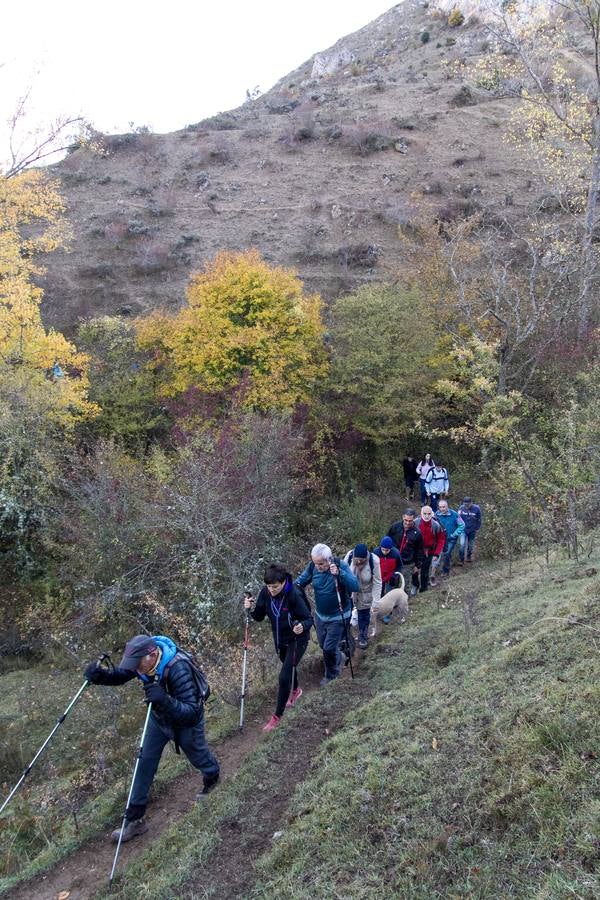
x: 587, y: 253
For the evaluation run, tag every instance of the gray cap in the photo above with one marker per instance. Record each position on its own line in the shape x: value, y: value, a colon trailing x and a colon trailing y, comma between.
x: 136, y: 649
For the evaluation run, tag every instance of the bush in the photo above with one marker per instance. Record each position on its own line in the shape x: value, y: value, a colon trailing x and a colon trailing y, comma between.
x: 455, y: 18
x: 425, y: 37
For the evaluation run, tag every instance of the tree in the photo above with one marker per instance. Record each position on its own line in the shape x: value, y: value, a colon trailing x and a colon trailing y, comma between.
x: 536, y: 53
x: 246, y: 326
x: 382, y: 340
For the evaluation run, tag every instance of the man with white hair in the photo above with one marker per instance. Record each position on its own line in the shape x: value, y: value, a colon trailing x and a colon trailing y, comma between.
x: 333, y: 584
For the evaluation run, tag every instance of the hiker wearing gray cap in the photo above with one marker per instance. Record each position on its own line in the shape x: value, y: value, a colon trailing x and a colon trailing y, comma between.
x: 176, y: 687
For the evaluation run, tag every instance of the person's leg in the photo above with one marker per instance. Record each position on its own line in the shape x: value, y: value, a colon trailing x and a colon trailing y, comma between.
x: 434, y: 501
x: 425, y: 567
x: 450, y: 545
x: 286, y: 655
x: 423, y: 491
x: 461, y: 546
x: 364, y: 616
x: 470, y: 545
x: 193, y: 743
x: 332, y: 655
x: 154, y: 744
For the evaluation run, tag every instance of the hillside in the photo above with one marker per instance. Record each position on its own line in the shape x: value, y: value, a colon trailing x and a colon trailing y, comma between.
x: 462, y: 761
x: 316, y: 174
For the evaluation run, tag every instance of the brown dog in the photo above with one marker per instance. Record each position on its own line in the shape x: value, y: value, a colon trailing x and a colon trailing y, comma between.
x: 394, y: 603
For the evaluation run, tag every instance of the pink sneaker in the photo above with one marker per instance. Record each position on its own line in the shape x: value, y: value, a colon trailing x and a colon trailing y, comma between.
x: 294, y: 696
x: 272, y: 723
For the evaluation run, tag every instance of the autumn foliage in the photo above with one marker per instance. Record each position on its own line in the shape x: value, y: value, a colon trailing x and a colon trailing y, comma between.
x: 246, y: 324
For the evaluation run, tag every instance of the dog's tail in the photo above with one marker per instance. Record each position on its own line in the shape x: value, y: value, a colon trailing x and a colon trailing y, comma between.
x: 402, y: 582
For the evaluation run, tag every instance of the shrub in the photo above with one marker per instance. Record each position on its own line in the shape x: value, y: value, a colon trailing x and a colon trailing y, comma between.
x: 455, y: 18
x: 425, y: 37
x: 364, y: 138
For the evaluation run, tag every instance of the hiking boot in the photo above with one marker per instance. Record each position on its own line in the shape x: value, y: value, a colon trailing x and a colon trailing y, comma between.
x: 445, y: 575
x: 131, y: 829
x: 414, y: 590
x: 325, y: 681
x: 209, y: 784
x: 460, y: 562
x: 386, y: 619
x: 294, y: 697
x: 272, y: 723
x: 363, y: 643
x: 432, y: 581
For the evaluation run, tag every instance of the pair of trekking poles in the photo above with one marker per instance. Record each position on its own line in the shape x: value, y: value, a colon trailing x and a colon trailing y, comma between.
x: 294, y: 666
x: 104, y: 658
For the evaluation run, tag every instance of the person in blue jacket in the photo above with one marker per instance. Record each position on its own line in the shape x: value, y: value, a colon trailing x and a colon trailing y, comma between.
x: 470, y: 513
x: 454, y: 526
x: 333, y: 584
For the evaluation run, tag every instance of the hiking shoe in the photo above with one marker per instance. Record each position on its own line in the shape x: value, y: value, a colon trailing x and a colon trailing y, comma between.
x: 363, y: 644
x: 386, y: 619
x: 325, y: 681
x: 414, y: 590
x: 432, y: 581
x: 294, y: 697
x: 272, y: 723
x: 131, y: 829
x: 209, y: 784
x: 460, y: 562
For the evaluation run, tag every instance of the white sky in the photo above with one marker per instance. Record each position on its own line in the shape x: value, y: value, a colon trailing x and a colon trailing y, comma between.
x: 165, y: 64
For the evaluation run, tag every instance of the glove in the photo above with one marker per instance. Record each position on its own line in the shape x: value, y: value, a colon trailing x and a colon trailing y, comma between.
x: 155, y: 693
x: 94, y: 673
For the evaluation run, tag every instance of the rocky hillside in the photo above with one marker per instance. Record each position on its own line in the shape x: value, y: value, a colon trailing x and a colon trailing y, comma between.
x: 317, y: 173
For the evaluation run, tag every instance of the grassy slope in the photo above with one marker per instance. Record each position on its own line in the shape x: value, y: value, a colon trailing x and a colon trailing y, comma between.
x: 470, y: 772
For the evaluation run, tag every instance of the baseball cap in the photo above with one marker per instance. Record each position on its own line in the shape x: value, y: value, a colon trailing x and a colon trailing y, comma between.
x: 136, y: 649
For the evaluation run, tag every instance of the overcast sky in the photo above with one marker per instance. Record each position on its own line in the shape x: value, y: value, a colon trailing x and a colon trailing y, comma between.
x: 160, y: 64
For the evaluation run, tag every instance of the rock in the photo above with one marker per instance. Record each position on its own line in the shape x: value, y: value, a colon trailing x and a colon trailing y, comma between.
x: 401, y: 147
x: 336, y: 211
x: 277, y: 835
x: 330, y: 63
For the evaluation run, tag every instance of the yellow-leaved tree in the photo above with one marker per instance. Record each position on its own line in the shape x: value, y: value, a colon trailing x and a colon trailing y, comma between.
x: 33, y: 358
x: 246, y: 325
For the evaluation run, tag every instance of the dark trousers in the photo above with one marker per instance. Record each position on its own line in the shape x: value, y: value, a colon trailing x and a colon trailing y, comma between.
x: 290, y: 656
x: 447, y: 554
x: 330, y: 636
x: 434, y: 500
x: 423, y: 491
x: 425, y: 567
x: 467, y: 540
x: 193, y: 743
x: 364, y: 617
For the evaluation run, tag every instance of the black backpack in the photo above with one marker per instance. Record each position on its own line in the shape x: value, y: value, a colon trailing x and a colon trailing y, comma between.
x: 199, y: 676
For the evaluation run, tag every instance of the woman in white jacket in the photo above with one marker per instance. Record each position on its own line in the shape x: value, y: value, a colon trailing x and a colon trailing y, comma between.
x: 423, y: 469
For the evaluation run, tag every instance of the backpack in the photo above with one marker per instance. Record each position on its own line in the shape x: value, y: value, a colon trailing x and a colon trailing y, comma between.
x: 197, y: 673
x: 344, y: 593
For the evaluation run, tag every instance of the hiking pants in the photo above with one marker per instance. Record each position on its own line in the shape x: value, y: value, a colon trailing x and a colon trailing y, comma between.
x: 364, y: 617
x: 425, y: 567
x: 193, y: 743
x: 434, y: 500
x: 423, y: 491
x: 330, y: 636
x: 469, y: 540
x: 447, y: 554
x: 290, y: 656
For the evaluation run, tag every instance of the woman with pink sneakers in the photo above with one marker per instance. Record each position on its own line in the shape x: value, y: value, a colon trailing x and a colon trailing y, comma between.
x: 289, y: 613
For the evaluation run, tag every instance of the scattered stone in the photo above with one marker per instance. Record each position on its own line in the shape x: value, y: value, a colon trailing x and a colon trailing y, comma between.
x: 277, y: 835
x: 401, y: 147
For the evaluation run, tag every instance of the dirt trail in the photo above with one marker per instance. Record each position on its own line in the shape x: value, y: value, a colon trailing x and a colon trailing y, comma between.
x: 85, y: 872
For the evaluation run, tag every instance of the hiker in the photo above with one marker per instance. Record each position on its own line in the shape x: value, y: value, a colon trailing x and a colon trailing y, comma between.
x: 390, y: 562
x: 409, y: 542
x: 366, y: 567
x: 289, y: 614
x: 409, y: 466
x: 423, y: 469
x: 434, y: 538
x: 330, y: 576
x: 470, y: 513
x: 453, y: 527
x: 437, y: 485
x: 172, y: 685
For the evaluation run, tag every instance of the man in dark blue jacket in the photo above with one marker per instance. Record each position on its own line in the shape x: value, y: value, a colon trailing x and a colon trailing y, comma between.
x: 172, y: 688
x: 470, y: 513
x: 330, y: 576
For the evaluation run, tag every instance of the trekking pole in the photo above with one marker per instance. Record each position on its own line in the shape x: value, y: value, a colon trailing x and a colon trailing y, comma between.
x: 294, y: 666
x: 244, y: 668
x: 345, y: 623
x: 137, y: 762
x: 59, y: 722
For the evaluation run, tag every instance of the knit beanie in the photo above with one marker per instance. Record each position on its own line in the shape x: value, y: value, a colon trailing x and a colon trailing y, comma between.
x: 387, y: 543
x: 361, y: 551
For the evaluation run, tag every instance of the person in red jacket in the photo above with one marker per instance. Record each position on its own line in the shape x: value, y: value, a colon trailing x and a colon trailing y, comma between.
x: 391, y: 564
x: 434, y: 538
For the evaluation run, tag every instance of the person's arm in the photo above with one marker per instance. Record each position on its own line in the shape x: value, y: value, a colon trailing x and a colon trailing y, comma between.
x: 376, y: 584
x: 419, y: 469
x: 440, y: 540
x: 305, y: 577
x: 446, y: 483
x: 419, y: 550
x: 181, y: 704
x: 349, y: 580
x: 478, y: 518
x: 300, y: 610
x: 460, y: 527
x: 260, y: 607
x: 97, y: 674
